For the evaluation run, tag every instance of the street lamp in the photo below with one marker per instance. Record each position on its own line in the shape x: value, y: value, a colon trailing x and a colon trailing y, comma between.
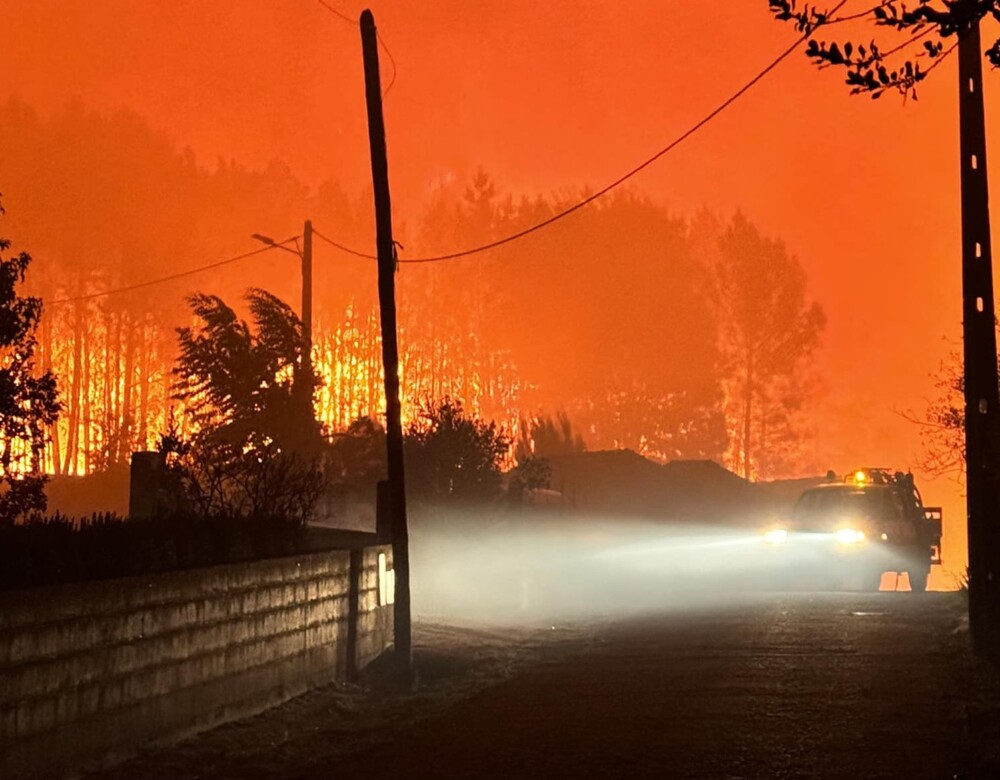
x: 305, y: 254
x: 267, y: 240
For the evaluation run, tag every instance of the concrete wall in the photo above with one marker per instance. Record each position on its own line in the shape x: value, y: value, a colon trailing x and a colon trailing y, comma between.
x: 92, y: 672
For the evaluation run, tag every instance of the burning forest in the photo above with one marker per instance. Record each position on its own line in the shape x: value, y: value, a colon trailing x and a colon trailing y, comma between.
x: 696, y: 352
x: 581, y: 368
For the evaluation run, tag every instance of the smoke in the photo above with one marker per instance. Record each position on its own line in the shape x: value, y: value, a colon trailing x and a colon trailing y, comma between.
x: 538, y: 568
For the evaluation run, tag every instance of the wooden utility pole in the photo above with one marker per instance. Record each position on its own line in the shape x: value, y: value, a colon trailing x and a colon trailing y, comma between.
x: 307, y: 295
x: 982, y: 400
x: 385, y: 249
x: 307, y: 307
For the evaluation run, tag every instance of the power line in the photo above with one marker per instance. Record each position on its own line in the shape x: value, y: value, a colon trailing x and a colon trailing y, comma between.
x: 342, y: 247
x: 909, y: 41
x: 858, y: 15
x: 392, y: 61
x: 337, y: 13
x: 941, y: 58
x: 171, y: 277
x: 499, y: 242
x: 621, y: 179
x: 353, y: 22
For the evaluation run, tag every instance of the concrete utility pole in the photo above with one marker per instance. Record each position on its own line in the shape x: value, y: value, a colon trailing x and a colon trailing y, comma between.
x: 982, y: 400
x: 385, y: 249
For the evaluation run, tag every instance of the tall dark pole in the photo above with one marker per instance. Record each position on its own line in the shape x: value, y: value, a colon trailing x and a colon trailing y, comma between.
x: 982, y: 400
x: 390, y: 351
x: 307, y: 295
x: 303, y: 386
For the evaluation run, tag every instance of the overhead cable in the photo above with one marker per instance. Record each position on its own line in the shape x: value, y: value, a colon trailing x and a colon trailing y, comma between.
x: 621, y: 179
x: 392, y: 60
x: 171, y: 277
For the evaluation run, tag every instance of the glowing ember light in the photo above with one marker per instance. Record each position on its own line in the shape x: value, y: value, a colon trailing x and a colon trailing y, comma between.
x: 776, y: 536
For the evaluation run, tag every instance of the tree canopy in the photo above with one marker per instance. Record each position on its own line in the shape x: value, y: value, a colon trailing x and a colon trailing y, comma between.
x: 920, y: 28
x: 451, y: 455
x: 638, y: 367
x: 28, y: 399
x: 252, y: 444
x: 253, y: 382
x: 942, y: 429
x: 769, y: 332
x: 606, y: 315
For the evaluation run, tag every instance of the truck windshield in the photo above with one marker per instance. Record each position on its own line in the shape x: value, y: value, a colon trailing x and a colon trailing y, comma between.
x: 832, y: 504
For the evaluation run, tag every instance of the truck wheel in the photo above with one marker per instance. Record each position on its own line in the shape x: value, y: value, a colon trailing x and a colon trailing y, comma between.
x: 918, y: 579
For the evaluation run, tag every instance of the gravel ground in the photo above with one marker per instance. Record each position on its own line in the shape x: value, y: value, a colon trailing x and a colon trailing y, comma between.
x: 815, y: 686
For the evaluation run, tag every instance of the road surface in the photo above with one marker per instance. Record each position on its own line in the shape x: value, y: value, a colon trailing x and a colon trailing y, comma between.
x: 811, y: 686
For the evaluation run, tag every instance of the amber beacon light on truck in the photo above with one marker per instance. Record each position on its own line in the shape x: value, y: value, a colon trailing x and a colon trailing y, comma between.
x: 863, y: 523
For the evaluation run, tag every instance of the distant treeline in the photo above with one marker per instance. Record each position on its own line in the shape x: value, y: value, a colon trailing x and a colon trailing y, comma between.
x: 677, y: 337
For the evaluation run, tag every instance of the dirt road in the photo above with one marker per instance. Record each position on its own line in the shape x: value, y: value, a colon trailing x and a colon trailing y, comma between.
x: 816, y: 686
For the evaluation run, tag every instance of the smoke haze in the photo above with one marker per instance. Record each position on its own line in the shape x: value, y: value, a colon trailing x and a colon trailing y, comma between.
x: 545, y: 100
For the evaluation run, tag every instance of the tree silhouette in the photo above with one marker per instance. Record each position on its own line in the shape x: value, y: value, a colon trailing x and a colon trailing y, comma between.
x: 255, y: 446
x: 768, y: 331
x: 28, y: 401
x: 230, y: 377
x: 358, y: 454
x: 942, y: 428
x: 450, y: 455
x: 638, y: 369
x: 539, y: 440
x: 547, y: 437
x: 873, y: 68
x: 942, y: 431
x: 105, y: 202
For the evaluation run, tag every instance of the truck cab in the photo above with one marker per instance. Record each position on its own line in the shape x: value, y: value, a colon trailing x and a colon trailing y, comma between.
x: 871, y: 521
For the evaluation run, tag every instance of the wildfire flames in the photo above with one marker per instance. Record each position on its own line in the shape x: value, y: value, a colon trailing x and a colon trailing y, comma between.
x: 116, y: 372
x: 617, y: 317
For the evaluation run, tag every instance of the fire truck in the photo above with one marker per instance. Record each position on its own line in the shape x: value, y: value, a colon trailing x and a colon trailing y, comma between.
x: 853, y: 529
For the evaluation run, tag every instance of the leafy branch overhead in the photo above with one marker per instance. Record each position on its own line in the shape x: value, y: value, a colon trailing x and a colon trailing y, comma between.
x: 873, y: 68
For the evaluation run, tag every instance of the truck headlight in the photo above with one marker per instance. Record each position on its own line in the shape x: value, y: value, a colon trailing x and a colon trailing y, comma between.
x: 850, y: 536
x: 776, y: 536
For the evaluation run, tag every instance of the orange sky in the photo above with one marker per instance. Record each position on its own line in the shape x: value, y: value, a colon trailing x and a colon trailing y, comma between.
x: 545, y: 96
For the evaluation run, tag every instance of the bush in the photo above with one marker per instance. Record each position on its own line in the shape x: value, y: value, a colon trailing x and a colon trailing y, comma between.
x: 451, y: 455
x: 60, y: 550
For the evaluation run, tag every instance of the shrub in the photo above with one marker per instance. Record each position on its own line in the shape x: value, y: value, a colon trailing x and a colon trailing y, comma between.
x: 58, y: 550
